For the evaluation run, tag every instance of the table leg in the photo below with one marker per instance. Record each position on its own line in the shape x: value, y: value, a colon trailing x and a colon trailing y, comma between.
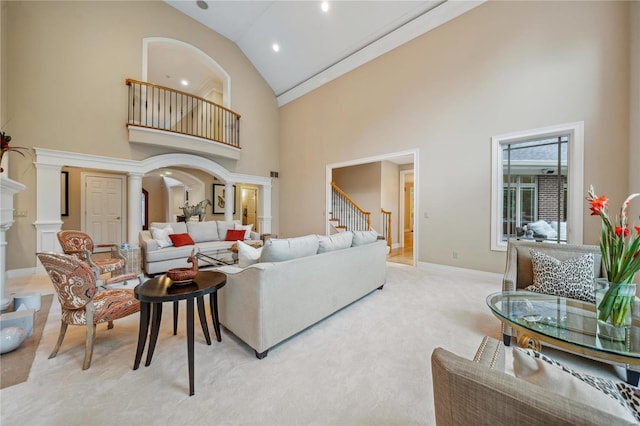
x: 213, y: 302
x: 175, y: 317
x: 190, y: 343
x: 203, y: 320
x: 142, y: 333
x: 155, y: 328
x: 633, y: 377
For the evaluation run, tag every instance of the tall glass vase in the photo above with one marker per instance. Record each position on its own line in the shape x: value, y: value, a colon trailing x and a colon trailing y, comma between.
x: 614, y: 308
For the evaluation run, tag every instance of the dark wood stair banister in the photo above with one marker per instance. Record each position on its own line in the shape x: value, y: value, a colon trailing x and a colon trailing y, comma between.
x: 158, y: 107
x: 386, y: 226
x: 342, y: 204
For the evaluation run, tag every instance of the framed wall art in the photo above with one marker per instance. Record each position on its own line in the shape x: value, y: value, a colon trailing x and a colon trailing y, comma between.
x: 219, y: 197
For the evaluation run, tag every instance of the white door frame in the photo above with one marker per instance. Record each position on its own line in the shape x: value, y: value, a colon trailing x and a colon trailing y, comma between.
x: 403, y: 177
x: 416, y: 159
x: 123, y: 200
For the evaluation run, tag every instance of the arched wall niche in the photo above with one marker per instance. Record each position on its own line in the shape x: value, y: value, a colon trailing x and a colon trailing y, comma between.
x: 187, y: 62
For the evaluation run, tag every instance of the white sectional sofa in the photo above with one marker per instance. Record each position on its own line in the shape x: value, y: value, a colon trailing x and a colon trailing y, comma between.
x: 270, y: 301
x: 159, y: 254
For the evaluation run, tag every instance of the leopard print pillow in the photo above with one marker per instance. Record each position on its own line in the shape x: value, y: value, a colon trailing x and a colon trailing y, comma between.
x: 572, y: 278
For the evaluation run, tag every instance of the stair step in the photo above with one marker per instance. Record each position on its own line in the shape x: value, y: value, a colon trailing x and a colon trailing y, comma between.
x: 334, y: 220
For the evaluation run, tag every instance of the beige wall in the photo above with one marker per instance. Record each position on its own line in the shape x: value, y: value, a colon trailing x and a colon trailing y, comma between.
x: 500, y: 68
x: 634, y: 111
x: 362, y: 184
x: 63, y: 70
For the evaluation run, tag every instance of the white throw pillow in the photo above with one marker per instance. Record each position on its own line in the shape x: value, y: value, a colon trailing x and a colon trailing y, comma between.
x: 341, y: 240
x: 248, y: 255
x: 161, y: 235
x: 247, y: 230
x: 545, y: 372
x: 364, y: 237
x: 276, y: 250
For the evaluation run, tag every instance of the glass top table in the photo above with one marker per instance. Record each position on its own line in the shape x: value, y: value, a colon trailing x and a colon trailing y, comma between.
x: 567, y: 324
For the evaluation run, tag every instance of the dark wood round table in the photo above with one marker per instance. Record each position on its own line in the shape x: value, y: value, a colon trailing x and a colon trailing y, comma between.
x: 156, y: 291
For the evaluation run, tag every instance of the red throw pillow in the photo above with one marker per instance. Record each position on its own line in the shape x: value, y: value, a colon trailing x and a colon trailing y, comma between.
x: 179, y: 240
x: 235, y: 235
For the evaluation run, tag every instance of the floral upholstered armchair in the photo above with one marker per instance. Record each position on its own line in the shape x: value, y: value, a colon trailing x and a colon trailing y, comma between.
x: 80, y: 245
x: 80, y: 300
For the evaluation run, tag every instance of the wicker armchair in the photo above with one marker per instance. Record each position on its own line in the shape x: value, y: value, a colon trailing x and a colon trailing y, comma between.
x: 81, y: 302
x: 518, y: 273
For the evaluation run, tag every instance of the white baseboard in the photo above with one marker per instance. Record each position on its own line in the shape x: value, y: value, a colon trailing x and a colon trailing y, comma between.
x: 444, y: 268
x: 25, y: 272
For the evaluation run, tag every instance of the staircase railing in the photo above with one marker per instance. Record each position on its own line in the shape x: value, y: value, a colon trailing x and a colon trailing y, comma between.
x: 163, y: 108
x: 351, y: 216
x: 386, y: 226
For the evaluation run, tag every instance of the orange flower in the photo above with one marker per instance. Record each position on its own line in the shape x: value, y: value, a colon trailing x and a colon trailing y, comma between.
x: 598, y: 204
x: 619, y: 231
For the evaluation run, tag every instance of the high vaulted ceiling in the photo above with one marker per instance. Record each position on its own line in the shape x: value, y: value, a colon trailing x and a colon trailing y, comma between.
x: 315, y: 46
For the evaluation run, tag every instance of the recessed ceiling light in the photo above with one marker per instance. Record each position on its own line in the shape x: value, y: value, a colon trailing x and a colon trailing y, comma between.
x: 202, y: 4
x: 324, y: 6
x: 275, y: 47
x: 184, y: 82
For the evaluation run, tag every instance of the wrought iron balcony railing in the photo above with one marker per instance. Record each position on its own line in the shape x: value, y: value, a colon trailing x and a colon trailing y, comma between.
x: 158, y: 107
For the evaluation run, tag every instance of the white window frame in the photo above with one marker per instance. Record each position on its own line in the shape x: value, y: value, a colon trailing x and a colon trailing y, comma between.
x: 575, y: 178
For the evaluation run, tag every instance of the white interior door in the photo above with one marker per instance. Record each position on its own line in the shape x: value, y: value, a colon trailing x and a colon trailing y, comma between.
x: 249, y: 207
x: 103, y: 198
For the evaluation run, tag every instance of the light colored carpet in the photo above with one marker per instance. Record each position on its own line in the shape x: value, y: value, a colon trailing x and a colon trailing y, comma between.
x: 368, y: 364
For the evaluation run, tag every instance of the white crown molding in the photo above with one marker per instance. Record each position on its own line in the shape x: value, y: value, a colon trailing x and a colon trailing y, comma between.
x: 433, y: 18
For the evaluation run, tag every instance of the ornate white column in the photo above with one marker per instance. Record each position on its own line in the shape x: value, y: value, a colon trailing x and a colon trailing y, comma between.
x: 134, y: 209
x: 8, y: 188
x: 48, y: 221
x: 228, y: 201
x: 264, y: 201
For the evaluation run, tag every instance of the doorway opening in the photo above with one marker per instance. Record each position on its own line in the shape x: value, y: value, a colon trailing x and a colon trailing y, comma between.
x: 386, y: 182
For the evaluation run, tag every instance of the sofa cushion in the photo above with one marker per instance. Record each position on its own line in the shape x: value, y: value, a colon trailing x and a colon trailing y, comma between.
x: 364, y: 237
x: 203, y: 231
x: 341, y: 240
x: 180, y: 240
x: 223, y: 227
x: 280, y: 250
x: 169, y: 253
x: 178, y: 227
x: 571, y: 278
x: 248, y: 255
x: 247, y: 230
x: 536, y: 368
x: 161, y: 235
x: 235, y: 235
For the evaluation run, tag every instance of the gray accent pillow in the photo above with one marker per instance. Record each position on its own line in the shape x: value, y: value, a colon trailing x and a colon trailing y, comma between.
x: 364, y: 237
x: 572, y: 278
x: 341, y: 240
x: 279, y: 250
x: 203, y: 231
